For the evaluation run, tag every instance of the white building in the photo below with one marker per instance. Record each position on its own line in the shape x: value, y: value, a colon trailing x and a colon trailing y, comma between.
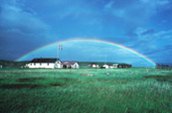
x: 115, y: 65
x: 105, y: 66
x: 111, y: 67
x: 45, y: 63
x: 95, y: 66
x: 73, y: 65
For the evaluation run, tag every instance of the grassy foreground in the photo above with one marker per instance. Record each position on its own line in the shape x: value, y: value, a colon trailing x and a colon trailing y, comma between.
x: 86, y: 91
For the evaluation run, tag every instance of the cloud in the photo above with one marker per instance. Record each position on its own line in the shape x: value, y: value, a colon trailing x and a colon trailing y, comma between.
x: 19, y: 29
x: 109, y: 5
x: 13, y: 17
x: 140, y: 32
x: 135, y: 11
x: 156, y: 3
x: 155, y: 44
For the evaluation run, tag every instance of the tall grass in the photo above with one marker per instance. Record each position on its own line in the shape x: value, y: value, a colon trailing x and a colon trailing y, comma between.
x: 75, y: 91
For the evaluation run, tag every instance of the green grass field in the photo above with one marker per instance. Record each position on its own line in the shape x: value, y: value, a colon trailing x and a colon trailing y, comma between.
x: 134, y: 90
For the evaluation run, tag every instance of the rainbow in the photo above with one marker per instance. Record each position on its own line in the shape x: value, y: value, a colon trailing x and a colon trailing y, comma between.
x: 97, y: 41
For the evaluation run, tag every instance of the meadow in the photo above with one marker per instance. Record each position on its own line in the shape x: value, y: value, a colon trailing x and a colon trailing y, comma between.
x: 135, y: 90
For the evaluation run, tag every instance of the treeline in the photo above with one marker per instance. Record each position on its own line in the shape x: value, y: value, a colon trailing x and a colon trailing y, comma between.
x: 11, y: 64
x: 163, y: 66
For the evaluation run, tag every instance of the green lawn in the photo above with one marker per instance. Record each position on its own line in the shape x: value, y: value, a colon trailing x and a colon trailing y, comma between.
x: 135, y: 90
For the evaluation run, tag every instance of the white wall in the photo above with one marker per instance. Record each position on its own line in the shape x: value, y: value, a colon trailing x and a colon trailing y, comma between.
x: 106, y: 66
x: 55, y: 65
x: 58, y: 65
x: 95, y: 66
x: 41, y: 65
x: 76, y: 66
x: 115, y: 65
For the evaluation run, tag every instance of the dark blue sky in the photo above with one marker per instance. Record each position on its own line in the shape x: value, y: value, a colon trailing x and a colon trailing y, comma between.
x: 143, y: 25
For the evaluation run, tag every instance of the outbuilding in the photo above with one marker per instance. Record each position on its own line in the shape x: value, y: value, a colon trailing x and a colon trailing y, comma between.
x: 105, y: 66
x: 94, y: 65
x: 68, y: 64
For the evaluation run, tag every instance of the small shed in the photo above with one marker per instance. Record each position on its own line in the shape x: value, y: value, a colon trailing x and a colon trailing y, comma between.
x: 68, y: 64
x: 95, y: 65
x: 105, y: 66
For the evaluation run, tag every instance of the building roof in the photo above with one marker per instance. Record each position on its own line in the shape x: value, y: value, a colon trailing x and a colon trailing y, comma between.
x: 44, y: 60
